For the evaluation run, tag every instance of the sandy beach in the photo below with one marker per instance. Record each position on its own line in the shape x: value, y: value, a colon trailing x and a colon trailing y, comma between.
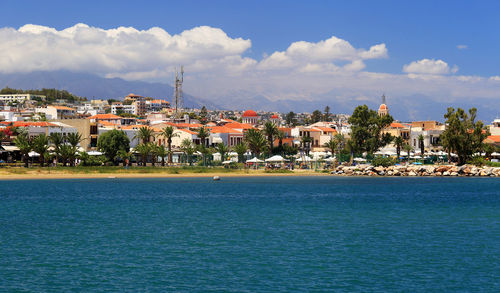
x: 37, y: 174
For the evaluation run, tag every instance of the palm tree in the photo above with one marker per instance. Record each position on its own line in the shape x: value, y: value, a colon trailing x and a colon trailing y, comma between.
x: 25, y: 146
x: 143, y: 149
x: 41, y: 146
x: 305, y: 142
x: 124, y: 156
x: 168, y: 133
x: 187, y: 148
x: 73, y: 139
x: 421, y: 144
x: 255, y: 140
x: 57, y: 140
x: 144, y: 133
x: 398, y: 141
x: 162, y: 153
x: 154, y: 150
x: 408, y: 148
x: 280, y: 136
x: 332, y: 145
x: 240, y: 149
x: 270, y: 130
x: 203, y: 133
x: 67, y: 152
x: 222, y: 149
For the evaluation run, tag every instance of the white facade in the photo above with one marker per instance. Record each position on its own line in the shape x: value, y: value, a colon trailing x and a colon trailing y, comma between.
x: 18, y: 97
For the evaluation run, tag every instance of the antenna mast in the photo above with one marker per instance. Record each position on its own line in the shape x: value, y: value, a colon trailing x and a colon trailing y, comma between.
x: 383, y: 99
x: 179, y: 79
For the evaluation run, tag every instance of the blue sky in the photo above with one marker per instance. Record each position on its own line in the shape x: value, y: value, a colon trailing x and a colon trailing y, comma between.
x: 412, y: 30
x: 326, y: 52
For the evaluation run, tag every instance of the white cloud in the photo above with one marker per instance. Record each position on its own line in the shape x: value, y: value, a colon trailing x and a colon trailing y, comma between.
x: 429, y: 66
x: 462, y: 47
x: 124, y: 51
x: 330, y: 51
x: 216, y: 65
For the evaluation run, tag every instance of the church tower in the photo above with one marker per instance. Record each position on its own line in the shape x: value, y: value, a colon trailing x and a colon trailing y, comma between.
x: 383, y: 110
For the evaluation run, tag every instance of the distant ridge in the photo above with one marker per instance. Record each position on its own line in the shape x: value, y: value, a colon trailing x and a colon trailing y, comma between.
x: 93, y: 86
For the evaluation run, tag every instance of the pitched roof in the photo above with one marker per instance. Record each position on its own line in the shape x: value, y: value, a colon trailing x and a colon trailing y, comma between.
x: 223, y: 129
x: 105, y: 117
x: 237, y: 125
x: 326, y: 129
x: 29, y: 123
x: 63, y: 108
x: 397, y: 125
x: 187, y: 130
x: 494, y: 138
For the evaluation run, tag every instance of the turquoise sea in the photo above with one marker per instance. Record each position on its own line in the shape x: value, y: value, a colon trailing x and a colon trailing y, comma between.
x: 262, y: 234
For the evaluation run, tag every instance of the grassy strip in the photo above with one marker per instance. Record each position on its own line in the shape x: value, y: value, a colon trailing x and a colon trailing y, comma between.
x: 120, y: 170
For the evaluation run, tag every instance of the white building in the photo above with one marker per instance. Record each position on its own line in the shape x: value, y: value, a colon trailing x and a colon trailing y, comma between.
x: 19, y: 97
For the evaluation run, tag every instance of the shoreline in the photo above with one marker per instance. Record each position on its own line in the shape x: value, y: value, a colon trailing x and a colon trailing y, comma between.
x: 123, y: 175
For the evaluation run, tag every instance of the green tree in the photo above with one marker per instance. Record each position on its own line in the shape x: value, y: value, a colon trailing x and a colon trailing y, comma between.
x: 326, y: 116
x: 366, y: 130
x: 222, y: 149
x: 113, y: 141
x: 463, y: 135
x: 41, y: 146
x: 144, y: 134
x: 203, y: 115
x: 74, y: 140
x: 57, y: 140
x: 270, y: 130
x: 188, y: 149
x: 290, y: 118
x: 240, y: 149
x: 25, y: 145
x: 407, y: 148
x: 316, y: 116
x: 67, y: 153
x: 123, y: 156
x: 305, y: 143
x: 203, y: 133
x: 421, y: 139
x: 168, y: 133
x: 162, y: 152
x: 256, y: 141
x: 144, y: 149
x: 398, y: 141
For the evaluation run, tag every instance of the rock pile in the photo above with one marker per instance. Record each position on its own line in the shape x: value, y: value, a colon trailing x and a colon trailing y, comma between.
x: 417, y: 170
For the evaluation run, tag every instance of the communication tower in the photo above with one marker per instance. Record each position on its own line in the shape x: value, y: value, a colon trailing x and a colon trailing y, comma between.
x: 179, y: 79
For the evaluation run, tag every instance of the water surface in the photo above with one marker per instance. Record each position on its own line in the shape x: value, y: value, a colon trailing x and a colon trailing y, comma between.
x: 251, y: 234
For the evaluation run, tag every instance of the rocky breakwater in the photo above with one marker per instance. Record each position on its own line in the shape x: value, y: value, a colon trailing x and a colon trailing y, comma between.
x: 417, y: 170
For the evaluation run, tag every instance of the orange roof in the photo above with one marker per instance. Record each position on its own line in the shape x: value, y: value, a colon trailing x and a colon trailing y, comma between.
x: 187, y: 130
x: 494, y: 138
x: 383, y: 107
x: 397, y: 125
x: 237, y: 125
x: 136, y: 126
x: 250, y: 113
x: 106, y: 123
x: 223, y: 129
x: 275, y: 117
x: 326, y: 129
x: 228, y: 120
x: 63, y: 108
x: 30, y: 123
x: 105, y: 117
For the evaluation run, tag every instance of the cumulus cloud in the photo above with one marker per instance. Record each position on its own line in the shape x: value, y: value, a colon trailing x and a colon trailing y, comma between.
x: 123, y: 51
x: 495, y: 78
x: 462, y: 47
x: 429, y: 66
x: 329, y: 51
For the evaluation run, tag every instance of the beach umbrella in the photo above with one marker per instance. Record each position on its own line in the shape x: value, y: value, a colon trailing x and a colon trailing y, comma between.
x: 254, y: 160
x: 359, y: 160
x: 227, y: 162
x: 33, y: 154
x: 304, y: 159
x: 389, y: 153
x: 330, y: 159
x: 416, y: 157
x: 276, y: 158
x: 94, y: 153
x: 495, y: 154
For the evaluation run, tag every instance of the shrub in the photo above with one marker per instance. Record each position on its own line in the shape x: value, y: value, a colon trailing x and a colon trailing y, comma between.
x: 381, y: 161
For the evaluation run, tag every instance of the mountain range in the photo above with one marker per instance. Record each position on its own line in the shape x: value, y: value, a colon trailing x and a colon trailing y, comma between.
x: 415, y: 107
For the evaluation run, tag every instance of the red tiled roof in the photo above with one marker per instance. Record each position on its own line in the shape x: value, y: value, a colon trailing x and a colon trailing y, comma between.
x: 326, y: 129
x: 28, y: 123
x: 397, y: 125
x: 63, y: 108
x: 105, y: 117
x: 494, y: 138
x: 187, y: 130
x: 223, y: 129
x: 237, y: 125
x: 249, y: 113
